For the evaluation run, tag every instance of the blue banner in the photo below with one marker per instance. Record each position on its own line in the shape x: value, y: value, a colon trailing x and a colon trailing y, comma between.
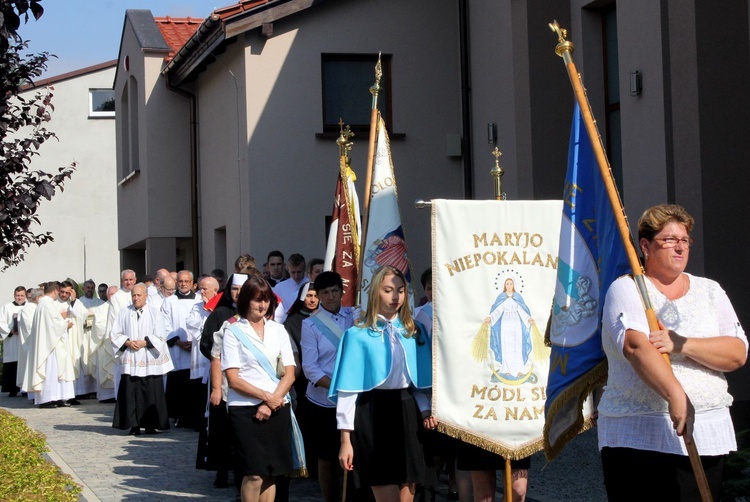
x: 591, y: 256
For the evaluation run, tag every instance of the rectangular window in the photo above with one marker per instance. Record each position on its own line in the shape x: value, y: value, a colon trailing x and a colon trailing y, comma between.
x: 101, y: 103
x: 347, y: 79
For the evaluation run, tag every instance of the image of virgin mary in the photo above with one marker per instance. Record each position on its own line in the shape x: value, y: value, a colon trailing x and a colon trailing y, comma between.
x: 510, y: 326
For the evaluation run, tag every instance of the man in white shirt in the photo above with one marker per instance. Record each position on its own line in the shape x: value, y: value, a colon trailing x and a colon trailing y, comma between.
x: 287, y: 290
x: 138, y: 339
x: 9, y: 333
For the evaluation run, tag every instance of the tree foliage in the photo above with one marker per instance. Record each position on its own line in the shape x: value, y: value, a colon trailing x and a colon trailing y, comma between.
x: 22, y: 132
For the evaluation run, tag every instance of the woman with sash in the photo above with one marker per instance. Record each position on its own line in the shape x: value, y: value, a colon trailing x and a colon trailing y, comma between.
x: 381, y: 383
x: 255, y: 353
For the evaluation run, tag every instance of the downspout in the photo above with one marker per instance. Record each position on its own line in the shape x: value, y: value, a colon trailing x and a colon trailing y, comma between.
x: 193, y: 173
x: 466, y: 137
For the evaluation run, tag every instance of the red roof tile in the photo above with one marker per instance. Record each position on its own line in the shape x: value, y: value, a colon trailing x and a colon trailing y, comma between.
x: 238, y: 8
x: 176, y: 31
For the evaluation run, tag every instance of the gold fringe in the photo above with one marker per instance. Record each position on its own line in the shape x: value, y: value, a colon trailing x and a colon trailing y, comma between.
x: 468, y: 437
x: 299, y: 473
x: 539, y: 350
x: 579, y: 390
x: 481, y: 344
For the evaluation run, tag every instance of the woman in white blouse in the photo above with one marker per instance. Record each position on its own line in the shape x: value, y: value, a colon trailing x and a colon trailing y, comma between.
x: 258, y: 403
x: 646, y: 406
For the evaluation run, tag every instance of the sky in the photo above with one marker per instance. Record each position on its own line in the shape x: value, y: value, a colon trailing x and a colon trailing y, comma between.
x: 83, y: 33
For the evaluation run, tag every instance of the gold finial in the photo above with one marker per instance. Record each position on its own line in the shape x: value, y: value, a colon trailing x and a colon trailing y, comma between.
x: 497, y: 172
x: 375, y: 89
x: 343, y: 140
x: 563, y: 46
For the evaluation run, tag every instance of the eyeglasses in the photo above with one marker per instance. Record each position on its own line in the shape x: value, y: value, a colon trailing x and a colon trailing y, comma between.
x: 672, y: 242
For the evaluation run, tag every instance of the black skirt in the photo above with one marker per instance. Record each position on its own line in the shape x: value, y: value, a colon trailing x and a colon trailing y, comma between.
x: 263, y: 448
x: 141, y: 403
x: 386, y: 438
x: 322, y: 437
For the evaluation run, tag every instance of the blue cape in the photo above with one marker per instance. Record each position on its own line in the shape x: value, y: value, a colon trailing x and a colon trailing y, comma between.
x: 496, y: 328
x: 363, y: 359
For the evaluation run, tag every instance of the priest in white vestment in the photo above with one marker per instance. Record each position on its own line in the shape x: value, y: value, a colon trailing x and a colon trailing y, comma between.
x: 139, y: 341
x: 101, y: 352
x: 77, y: 337
x: 117, y: 302
x: 9, y: 333
x: 25, y: 322
x: 50, y: 364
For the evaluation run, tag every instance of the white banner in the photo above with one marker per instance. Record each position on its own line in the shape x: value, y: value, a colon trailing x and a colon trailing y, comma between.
x: 494, y: 275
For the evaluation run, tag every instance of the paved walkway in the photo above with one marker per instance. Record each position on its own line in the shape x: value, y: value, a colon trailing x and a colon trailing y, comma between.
x: 112, y: 466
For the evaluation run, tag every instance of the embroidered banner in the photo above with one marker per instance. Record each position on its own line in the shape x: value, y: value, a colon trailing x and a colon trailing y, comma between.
x: 494, y: 273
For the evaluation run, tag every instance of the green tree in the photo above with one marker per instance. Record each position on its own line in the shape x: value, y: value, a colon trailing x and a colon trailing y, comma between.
x: 22, y: 132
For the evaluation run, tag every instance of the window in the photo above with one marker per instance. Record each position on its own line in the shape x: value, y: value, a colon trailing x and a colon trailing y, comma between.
x: 612, y: 92
x: 101, y: 103
x: 347, y: 79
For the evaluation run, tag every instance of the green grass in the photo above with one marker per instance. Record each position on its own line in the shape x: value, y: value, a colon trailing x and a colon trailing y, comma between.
x: 26, y: 474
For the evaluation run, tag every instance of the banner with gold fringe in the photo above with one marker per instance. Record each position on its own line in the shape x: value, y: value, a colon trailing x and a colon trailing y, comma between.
x: 494, y: 273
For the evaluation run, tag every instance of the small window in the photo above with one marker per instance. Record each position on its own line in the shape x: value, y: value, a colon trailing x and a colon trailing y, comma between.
x: 347, y: 79
x: 101, y: 103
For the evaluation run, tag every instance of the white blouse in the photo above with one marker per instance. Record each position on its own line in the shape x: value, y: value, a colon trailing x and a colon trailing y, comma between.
x: 235, y: 355
x: 631, y: 414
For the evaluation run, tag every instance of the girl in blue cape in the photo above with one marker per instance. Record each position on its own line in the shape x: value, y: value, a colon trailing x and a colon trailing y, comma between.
x: 381, y: 383
x: 510, y: 340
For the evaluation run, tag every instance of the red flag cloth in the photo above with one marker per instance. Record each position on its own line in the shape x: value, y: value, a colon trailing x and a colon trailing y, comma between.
x: 344, y: 260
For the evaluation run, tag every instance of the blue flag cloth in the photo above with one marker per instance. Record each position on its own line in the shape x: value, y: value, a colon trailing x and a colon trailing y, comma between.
x: 591, y: 256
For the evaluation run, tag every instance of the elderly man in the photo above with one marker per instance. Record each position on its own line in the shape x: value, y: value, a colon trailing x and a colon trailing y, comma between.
x: 139, y: 341
x: 175, y: 310
x: 9, y: 333
x: 167, y: 287
x: 159, y: 276
x: 288, y: 289
x: 208, y: 287
x: 50, y: 365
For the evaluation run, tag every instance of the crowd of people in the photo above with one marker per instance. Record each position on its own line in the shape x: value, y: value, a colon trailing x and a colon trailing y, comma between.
x: 279, y: 379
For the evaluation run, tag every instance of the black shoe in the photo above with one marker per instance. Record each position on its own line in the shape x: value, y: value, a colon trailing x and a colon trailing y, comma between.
x: 74, y: 402
x: 108, y: 401
x: 452, y: 495
x: 150, y: 430
x: 50, y: 404
x: 62, y: 404
x: 13, y: 394
x: 135, y: 431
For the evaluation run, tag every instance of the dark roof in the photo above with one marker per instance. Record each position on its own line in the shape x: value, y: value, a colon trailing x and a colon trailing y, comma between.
x: 69, y: 75
x: 146, y: 32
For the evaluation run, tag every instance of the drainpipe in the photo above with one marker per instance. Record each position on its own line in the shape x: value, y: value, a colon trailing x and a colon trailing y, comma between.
x: 466, y: 140
x: 193, y: 173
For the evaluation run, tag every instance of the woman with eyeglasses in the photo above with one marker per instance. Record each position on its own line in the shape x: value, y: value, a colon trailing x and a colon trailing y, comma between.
x: 647, y: 409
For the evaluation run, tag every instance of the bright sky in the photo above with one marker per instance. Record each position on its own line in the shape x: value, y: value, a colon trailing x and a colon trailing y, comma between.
x: 83, y: 33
